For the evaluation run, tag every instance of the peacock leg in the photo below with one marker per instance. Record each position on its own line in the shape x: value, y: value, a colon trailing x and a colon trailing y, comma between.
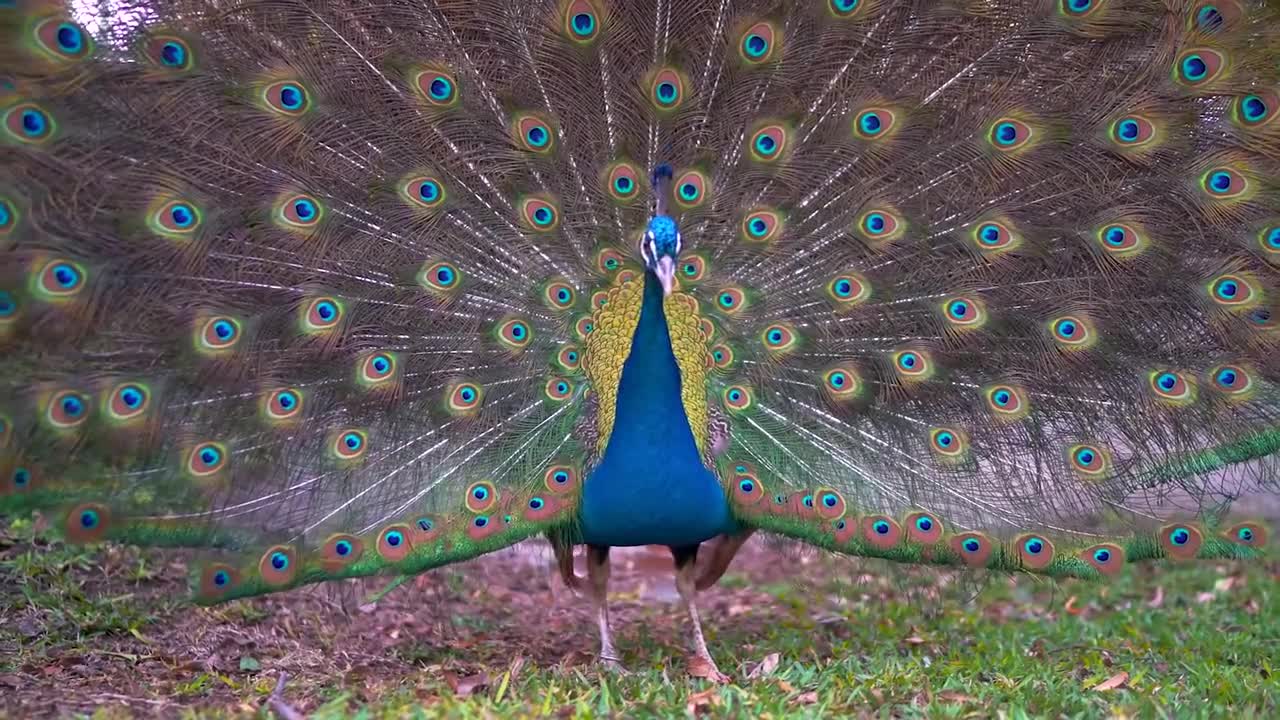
x: 723, y: 550
x: 564, y: 562
x: 598, y: 578
x: 700, y: 664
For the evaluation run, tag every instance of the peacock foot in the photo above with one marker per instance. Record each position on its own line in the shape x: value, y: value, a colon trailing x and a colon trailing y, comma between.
x: 611, y: 664
x: 702, y: 666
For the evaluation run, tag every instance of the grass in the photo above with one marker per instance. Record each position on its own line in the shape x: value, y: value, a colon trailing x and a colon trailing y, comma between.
x: 103, y: 633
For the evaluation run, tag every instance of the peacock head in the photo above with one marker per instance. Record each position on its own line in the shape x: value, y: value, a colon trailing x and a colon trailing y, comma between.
x: 660, y: 247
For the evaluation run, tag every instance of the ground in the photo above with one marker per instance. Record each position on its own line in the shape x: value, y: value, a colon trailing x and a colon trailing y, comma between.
x: 104, y: 632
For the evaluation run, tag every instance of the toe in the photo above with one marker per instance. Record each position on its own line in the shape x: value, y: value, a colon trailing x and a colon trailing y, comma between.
x: 705, y: 668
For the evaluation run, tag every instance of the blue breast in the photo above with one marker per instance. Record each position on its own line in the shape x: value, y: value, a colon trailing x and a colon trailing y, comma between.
x: 651, y: 487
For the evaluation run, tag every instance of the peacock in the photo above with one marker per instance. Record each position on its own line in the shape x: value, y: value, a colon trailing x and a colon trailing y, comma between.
x: 330, y: 289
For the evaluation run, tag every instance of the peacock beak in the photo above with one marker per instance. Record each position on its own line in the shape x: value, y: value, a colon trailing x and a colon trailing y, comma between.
x: 666, y: 272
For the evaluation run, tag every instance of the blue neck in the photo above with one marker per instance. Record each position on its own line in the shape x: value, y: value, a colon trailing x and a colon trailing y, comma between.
x: 651, y: 487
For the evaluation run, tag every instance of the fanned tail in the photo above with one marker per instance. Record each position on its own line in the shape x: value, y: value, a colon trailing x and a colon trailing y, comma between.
x: 290, y: 281
x: 310, y: 283
x: 1009, y: 303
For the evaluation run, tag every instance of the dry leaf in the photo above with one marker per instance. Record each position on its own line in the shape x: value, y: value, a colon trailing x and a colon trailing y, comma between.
x: 1070, y: 607
x: 914, y: 640
x: 1158, y: 599
x: 465, y: 687
x: 703, y: 702
x: 766, y: 666
x: 808, y: 698
x: 785, y: 686
x: 955, y: 696
x: 1112, y: 682
x: 426, y: 697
